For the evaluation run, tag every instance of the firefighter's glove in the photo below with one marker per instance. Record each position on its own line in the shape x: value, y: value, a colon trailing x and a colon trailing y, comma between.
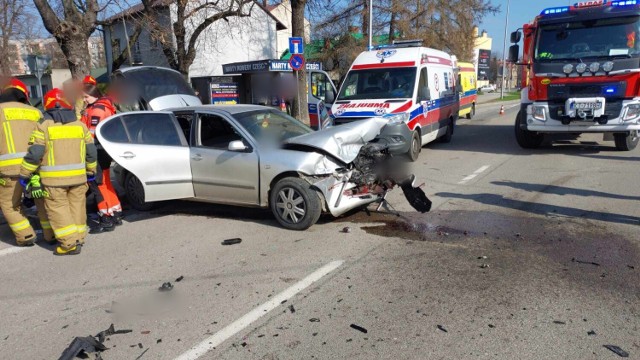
x: 3, y: 182
x: 35, y: 188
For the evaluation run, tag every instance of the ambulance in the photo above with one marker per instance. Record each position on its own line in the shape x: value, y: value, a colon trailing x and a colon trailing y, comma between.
x: 467, y: 87
x: 402, y: 82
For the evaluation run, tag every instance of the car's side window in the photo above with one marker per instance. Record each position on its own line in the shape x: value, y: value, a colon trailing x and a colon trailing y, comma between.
x: 152, y: 129
x: 114, y: 131
x: 216, y: 132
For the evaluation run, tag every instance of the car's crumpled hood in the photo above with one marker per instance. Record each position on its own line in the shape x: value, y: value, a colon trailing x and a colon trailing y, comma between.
x: 343, y: 141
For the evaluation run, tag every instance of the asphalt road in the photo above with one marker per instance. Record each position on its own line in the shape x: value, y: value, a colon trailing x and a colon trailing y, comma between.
x: 526, y: 255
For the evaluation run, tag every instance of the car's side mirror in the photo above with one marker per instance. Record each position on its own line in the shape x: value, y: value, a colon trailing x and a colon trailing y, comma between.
x: 237, y: 146
x: 424, y: 94
x: 330, y: 97
x: 514, y: 53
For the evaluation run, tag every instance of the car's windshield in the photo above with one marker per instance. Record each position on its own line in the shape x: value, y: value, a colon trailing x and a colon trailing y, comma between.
x: 271, y: 127
x: 592, y: 38
x: 392, y: 83
x: 152, y: 83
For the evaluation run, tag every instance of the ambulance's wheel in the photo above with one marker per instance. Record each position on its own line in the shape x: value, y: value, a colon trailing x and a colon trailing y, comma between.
x: 472, y: 113
x: 525, y: 138
x: 446, y: 138
x: 416, y: 146
x: 627, y: 141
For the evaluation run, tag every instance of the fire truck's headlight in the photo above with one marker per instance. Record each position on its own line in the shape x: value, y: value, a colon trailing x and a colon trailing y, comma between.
x: 608, y: 66
x: 537, y: 112
x: 594, y: 67
x: 632, y: 113
x: 568, y: 69
x: 581, y: 68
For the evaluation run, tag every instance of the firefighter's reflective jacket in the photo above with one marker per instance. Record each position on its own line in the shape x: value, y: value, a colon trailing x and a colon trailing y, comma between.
x: 17, y: 123
x: 62, y: 150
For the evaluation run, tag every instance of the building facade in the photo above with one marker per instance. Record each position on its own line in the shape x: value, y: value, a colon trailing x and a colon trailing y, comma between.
x: 239, y: 39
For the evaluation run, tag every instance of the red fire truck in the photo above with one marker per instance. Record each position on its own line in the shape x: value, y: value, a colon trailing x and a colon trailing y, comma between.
x: 581, y: 73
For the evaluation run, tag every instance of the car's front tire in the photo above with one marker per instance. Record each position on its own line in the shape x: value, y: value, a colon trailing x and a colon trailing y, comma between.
x: 295, y: 205
x: 626, y: 142
x: 135, y: 193
x: 525, y: 138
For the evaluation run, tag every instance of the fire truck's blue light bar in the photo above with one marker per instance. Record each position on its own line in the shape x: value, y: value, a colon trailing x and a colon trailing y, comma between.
x: 553, y: 11
x: 624, y: 3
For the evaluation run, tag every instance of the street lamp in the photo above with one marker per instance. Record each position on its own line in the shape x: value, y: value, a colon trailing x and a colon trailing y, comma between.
x: 504, y: 51
x: 38, y: 64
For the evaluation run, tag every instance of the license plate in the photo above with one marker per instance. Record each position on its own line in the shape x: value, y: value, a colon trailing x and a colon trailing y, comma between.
x: 589, y: 106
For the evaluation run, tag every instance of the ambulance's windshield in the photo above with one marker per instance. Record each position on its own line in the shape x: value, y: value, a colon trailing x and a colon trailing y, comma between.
x: 391, y: 83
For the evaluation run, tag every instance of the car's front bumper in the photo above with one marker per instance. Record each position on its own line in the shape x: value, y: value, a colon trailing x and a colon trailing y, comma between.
x: 549, y: 125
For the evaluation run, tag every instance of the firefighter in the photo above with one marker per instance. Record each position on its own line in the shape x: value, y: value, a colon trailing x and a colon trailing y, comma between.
x: 100, y: 107
x: 62, y: 149
x: 17, y: 121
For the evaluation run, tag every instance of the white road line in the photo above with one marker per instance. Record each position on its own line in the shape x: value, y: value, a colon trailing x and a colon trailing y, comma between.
x: 240, y: 324
x: 473, y: 176
x: 12, y: 250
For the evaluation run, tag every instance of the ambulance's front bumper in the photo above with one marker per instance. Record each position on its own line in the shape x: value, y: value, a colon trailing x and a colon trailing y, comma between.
x: 539, y: 119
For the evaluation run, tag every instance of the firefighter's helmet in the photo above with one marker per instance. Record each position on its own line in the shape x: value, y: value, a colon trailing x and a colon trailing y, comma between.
x: 89, y: 80
x: 18, y: 85
x: 55, y: 99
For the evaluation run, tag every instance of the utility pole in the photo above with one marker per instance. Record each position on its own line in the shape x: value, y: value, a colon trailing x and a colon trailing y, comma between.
x: 504, y: 51
x: 370, y: 25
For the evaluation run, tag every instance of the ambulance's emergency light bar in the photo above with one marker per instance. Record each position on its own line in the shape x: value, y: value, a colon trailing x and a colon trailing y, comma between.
x: 585, y: 4
x: 400, y: 44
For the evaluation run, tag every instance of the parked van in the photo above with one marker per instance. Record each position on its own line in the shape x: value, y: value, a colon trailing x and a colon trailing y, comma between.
x: 467, y: 86
x: 406, y: 82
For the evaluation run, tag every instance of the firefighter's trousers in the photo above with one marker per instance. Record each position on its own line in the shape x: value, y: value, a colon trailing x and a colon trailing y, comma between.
x: 13, y: 212
x: 66, y: 208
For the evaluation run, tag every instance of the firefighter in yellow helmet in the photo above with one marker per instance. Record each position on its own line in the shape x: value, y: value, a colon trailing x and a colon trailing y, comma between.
x: 18, y: 120
x: 63, y: 152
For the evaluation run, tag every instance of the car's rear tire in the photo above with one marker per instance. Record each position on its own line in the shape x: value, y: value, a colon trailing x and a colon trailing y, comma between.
x: 135, y: 193
x: 446, y: 138
x: 525, y: 138
x: 626, y: 142
x: 416, y: 146
x: 472, y: 113
x: 295, y: 205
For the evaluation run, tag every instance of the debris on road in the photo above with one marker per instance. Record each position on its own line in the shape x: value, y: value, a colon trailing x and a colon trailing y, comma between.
x: 346, y: 230
x: 166, y: 287
x: 617, y: 350
x: 232, y: 241
x: 180, y: 278
x: 158, y: 341
x: 359, y: 328
x: 145, y: 332
x: 584, y: 262
x: 441, y: 328
x: 591, y: 333
x: 292, y: 309
x: 559, y: 322
x: 482, y: 257
x: 484, y: 266
x: 89, y: 344
x: 141, y: 355
x: 82, y: 345
x: 314, y: 320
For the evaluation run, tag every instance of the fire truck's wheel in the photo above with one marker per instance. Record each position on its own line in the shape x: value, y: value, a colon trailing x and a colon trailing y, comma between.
x: 472, y: 113
x: 416, y: 146
x: 626, y: 142
x: 526, y: 139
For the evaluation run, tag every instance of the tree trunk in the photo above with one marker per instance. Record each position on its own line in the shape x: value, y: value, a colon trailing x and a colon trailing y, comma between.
x: 300, y: 106
x: 365, y: 18
x: 76, y: 49
x: 392, y: 21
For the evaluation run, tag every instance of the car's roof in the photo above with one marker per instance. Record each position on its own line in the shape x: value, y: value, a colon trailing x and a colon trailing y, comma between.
x: 229, y: 109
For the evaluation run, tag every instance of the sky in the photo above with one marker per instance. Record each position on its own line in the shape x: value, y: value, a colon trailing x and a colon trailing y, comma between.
x: 521, y: 12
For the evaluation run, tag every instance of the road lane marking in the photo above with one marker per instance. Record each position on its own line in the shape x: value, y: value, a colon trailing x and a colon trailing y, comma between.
x: 474, y: 175
x: 230, y: 330
x: 12, y: 250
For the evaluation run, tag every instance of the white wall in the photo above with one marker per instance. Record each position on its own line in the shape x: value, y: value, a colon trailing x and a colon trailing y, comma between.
x: 283, y: 13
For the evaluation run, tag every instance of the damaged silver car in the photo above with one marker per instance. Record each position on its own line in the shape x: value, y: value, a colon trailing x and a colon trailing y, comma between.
x: 257, y: 156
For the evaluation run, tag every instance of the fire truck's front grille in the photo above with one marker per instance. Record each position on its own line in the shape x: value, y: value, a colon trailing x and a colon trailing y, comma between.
x: 612, y: 109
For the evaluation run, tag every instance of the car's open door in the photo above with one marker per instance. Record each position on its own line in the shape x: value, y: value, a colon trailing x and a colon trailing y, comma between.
x: 152, y: 147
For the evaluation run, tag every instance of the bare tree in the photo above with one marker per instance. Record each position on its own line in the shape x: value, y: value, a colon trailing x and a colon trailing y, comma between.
x: 71, y: 28
x: 192, y: 18
x: 300, y: 104
x: 14, y: 20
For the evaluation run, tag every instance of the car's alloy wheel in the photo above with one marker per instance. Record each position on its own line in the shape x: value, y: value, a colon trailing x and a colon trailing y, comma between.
x: 135, y: 193
x: 295, y: 204
x: 626, y: 142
